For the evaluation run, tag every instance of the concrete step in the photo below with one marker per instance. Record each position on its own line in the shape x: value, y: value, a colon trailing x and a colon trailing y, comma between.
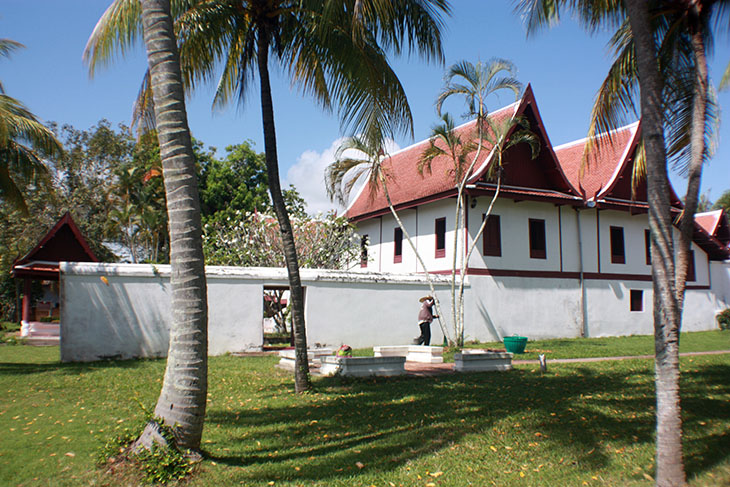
x: 42, y: 341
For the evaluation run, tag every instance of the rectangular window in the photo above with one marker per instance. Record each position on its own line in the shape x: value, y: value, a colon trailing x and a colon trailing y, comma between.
x: 492, y: 237
x: 647, y: 246
x: 538, y: 246
x: 618, y: 252
x: 691, y: 267
x: 398, y: 245
x: 364, y: 251
x: 637, y: 300
x: 440, y: 237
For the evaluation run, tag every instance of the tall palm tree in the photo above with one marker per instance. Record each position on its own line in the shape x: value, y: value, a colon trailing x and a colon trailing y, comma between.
x: 475, y: 83
x: 182, y: 401
x: 24, y: 143
x: 661, y: 48
x: 691, y: 116
x: 332, y: 49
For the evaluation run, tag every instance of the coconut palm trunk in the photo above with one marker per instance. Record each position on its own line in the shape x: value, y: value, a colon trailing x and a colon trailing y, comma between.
x: 669, y: 461
x: 301, y: 368
x: 694, y: 174
x: 182, y: 401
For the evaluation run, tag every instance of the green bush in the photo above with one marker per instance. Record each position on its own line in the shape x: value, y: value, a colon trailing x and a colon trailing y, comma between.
x: 723, y: 319
x: 158, y: 465
x: 9, y: 326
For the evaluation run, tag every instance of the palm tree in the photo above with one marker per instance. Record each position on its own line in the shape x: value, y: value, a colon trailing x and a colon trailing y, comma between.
x: 661, y: 47
x: 347, y: 170
x: 501, y: 135
x: 691, y: 116
x: 333, y: 50
x: 182, y: 401
x: 24, y: 142
x: 474, y: 82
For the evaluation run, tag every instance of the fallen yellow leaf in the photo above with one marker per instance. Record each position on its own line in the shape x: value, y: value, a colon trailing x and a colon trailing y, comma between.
x: 436, y: 474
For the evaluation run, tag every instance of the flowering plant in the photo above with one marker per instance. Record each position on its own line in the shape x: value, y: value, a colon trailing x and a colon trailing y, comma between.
x: 344, y: 351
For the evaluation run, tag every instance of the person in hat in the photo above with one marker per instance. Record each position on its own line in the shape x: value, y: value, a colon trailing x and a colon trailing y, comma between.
x: 425, y: 317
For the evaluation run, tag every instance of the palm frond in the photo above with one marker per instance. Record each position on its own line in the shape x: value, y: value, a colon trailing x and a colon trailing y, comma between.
x: 143, y: 111
x: 476, y: 82
x: 115, y: 33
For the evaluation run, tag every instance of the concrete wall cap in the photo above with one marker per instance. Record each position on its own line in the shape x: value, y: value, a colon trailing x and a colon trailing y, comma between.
x: 268, y: 274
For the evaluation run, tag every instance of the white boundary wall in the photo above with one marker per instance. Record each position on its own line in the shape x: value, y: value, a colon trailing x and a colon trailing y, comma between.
x: 130, y: 316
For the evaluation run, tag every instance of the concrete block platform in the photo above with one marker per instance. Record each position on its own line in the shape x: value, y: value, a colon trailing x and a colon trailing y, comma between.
x: 314, y: 356
x: 412, y: 353
x: 363, y: 366
x: 481, y: 361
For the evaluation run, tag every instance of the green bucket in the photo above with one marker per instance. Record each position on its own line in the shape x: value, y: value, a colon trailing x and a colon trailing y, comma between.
x: 515, y: 344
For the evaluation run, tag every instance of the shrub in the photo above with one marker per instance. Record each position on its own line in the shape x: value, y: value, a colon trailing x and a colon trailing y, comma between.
x: 723, y: 319
x: 157, y: 466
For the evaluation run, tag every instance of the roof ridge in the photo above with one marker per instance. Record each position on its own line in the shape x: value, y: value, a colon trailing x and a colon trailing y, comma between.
x: 584, y: 139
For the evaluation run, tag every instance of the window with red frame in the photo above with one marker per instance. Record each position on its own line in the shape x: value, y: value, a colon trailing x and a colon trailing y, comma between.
x: 538, y: 245
x: 637, y: 300
x: 618, y: 251
x: 397, y: 245
x: 440, y: 230
x: 492, y: 237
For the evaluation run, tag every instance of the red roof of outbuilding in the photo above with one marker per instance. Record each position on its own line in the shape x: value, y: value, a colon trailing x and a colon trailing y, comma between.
x: 63, y: 242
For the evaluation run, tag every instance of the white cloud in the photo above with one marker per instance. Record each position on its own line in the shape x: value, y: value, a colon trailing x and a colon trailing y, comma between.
x: 307, y: 175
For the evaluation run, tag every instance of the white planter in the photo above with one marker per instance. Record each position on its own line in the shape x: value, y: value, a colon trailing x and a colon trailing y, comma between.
x: 412, y: 353
x: 363, y: 366
x: 314, y: 356
x: 481, y: 361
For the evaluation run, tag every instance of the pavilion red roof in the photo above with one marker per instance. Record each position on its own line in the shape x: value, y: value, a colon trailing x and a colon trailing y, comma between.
x: 63, y: 242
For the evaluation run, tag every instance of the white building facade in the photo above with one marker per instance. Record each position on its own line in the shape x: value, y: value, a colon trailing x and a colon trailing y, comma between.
x: 566, y: 251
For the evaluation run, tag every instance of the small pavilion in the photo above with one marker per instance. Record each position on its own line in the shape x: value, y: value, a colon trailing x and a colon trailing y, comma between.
x: 63, y: 243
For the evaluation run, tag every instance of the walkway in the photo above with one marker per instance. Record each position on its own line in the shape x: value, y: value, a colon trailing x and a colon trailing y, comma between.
x: 426, y: 370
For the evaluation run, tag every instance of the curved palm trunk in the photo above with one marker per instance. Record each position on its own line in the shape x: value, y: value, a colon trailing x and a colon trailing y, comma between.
x: 669, y: 460
x: 436, y: 301
x: 301, y: 368
x: 476, y: 239
x: 694, y: 176
x: 184, y: 391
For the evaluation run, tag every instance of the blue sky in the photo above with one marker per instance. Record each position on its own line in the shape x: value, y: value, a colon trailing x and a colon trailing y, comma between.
x: 564, y: 65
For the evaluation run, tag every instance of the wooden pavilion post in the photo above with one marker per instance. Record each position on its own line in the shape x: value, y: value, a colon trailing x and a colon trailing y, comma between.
x: 26, y: 299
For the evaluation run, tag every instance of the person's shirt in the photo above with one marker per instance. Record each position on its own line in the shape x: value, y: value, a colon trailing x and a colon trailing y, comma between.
x: 426, y: 313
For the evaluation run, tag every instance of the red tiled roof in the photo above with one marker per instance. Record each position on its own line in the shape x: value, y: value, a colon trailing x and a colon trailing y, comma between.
x: 407, y: 187
x: 709, y: 220
x: 62, y: 242
x: 404, y: 182
x: 604, y: 164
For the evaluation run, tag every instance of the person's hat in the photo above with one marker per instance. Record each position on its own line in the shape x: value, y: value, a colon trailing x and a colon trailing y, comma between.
x: 425, y: 298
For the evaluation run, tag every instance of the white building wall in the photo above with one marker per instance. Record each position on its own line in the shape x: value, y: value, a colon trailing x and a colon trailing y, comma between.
x: 534, y: 307
x: 720, y: 277
x: 549, y: 305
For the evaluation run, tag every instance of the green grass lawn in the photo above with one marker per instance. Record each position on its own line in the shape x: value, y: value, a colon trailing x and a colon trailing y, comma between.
x: 578, y: 424
x: 611, y: 347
